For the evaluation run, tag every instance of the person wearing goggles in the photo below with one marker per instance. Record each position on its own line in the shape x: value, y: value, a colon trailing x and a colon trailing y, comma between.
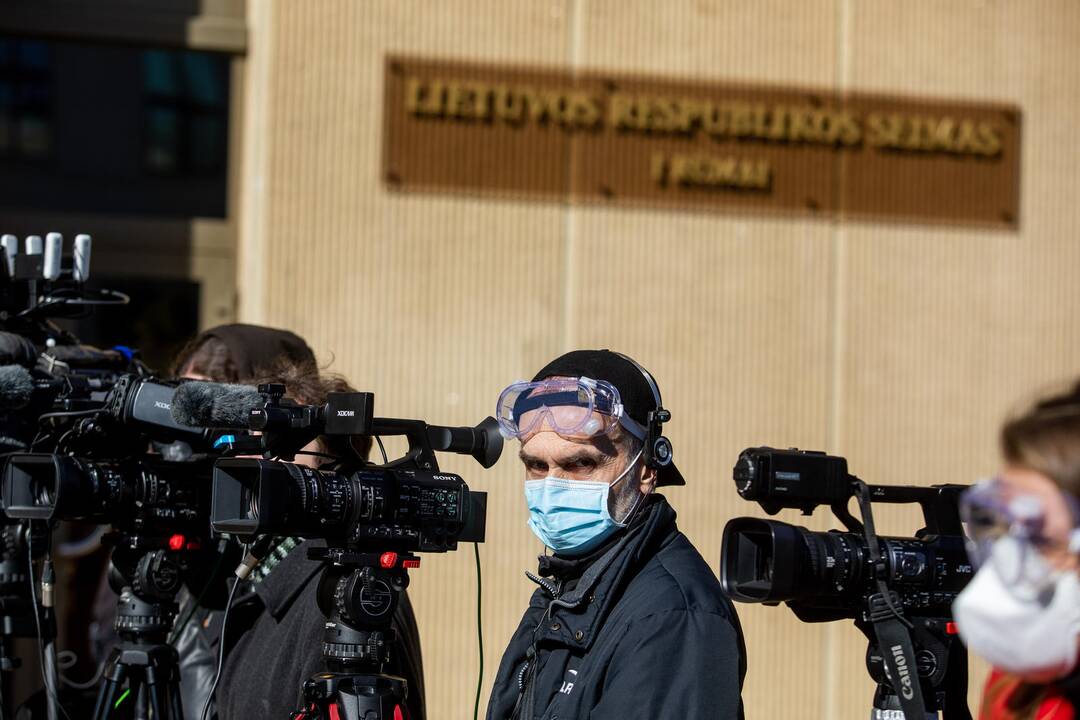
x: 1021, y: 611
x: 628, y: 620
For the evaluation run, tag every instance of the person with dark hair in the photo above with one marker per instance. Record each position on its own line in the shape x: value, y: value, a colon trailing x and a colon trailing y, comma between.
x: 1021, y: 611
x: 628, y: 620
x: 273, y: 641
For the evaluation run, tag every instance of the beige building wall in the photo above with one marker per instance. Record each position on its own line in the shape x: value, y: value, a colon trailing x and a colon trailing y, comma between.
x: 899, y: 346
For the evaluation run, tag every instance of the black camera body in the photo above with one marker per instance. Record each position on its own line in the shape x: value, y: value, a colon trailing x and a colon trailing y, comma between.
x: 824, y: 576
x: 138, y: 495
x: 102, y: 468
x: 898, y: 590
x: 371, y: 509
x: 406, y: 505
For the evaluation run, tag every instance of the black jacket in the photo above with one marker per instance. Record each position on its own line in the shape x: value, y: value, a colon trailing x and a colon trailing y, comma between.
x: 274, y: 643
x: 644, y: 632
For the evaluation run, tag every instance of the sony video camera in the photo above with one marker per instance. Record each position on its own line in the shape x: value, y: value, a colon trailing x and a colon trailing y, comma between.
x: 406, y: 505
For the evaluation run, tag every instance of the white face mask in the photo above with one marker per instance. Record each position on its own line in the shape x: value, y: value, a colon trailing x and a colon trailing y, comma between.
x: 1029, y: 627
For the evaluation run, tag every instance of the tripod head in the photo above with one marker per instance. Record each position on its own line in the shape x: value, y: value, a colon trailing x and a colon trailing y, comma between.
x: 146, y: 573
x: 940, y: 669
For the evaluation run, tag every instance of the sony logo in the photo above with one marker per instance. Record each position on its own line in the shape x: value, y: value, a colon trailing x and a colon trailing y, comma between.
x: 346, y: 413
x: 902, y: 669
x: 162, y: 405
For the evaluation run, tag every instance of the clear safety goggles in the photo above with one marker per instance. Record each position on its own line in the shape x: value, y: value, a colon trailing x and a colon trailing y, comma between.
x: 991, y: 510
x: 572, y: 407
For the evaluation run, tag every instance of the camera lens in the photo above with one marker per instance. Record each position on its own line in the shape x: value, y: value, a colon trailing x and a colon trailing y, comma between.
x: 745, y: 474
x: 46, y: 494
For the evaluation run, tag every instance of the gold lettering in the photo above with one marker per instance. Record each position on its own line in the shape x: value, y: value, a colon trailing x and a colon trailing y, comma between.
x: 991, y: 139
x: 468, y: 101
x: 942, y: 135
x: 883, y: 130
x: 508, y: 104
x: 742, y: 119
x: 704, y: 171
x: 586, y: 110
x: 848, y: 131
x: 966, y: 141
x: 423, y: 97
x: 624, y: 112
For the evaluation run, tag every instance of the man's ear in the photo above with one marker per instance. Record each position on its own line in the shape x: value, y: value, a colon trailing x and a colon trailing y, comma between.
x: 648, y: 480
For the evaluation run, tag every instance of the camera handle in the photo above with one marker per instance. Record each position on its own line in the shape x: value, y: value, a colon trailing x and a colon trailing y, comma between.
x: 358, y: 593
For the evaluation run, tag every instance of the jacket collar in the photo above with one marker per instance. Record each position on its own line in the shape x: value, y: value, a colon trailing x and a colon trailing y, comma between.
x: 279, y: 589
x: 582, y: 610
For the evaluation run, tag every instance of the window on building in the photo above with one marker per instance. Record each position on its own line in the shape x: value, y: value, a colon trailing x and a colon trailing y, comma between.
x: 186, y: 112
x: 113, y: 129
x: 26, y: 109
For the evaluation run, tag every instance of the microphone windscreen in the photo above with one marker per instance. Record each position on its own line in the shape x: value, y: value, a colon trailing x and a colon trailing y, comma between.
x: 16, y: 387
x: 217, y: 405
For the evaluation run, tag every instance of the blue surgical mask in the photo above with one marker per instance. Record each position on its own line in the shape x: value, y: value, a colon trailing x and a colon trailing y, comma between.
x: 571, y: 516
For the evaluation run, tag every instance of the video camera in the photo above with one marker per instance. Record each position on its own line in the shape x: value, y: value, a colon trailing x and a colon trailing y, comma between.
x: 102, y: 469
x: 898, y: 590
x: 406, y: 505
x: 373, y: 518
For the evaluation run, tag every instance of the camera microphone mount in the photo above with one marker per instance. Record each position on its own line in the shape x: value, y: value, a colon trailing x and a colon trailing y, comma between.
x: 358, y: 593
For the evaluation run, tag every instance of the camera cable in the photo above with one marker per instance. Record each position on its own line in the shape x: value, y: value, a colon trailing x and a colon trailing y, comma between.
x: 48, y: 579
x: 178, y: 628
x: 251, y: 559
x: 479, y: 630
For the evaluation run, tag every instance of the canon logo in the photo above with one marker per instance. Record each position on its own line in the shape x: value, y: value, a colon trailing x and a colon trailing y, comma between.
x: 346, y: 413
x: 902, y: 669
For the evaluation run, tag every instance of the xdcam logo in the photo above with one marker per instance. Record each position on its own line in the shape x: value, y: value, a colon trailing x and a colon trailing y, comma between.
x: 162, y: 405
x: 346, y: 413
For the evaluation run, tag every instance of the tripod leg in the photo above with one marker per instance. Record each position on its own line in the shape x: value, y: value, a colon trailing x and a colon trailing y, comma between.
x: 114, y: 678
x: 153, y: 692
x: 142, y: 704
x: 175, y: 699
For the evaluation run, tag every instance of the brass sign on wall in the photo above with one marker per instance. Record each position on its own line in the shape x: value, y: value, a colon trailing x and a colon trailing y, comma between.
x: 629, y: 140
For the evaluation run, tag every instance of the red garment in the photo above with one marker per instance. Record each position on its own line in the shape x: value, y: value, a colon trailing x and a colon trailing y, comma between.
x: 1008, y: 698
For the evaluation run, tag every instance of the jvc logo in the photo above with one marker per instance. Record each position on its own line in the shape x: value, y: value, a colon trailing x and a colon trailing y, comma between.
x: 346, y: 413
x: 162, y: 405
x: 902, y: 669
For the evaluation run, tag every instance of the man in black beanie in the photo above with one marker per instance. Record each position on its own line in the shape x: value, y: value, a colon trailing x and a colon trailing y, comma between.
x: 628, y: 621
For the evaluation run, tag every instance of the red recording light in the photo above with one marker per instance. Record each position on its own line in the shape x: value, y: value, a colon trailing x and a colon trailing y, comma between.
x: 397, y: 713
x: 411, y: 564
x: 177, y: 542
x: 951, y: 629
x: 388, y: 559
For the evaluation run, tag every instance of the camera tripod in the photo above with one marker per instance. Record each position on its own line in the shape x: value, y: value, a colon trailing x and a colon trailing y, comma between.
x: 147, y: 577
x: 358, y: 593
x: 941, y: 669
x: 17, y: 614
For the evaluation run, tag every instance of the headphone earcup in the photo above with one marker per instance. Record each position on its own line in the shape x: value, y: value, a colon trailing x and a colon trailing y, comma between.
x: 661, y: 453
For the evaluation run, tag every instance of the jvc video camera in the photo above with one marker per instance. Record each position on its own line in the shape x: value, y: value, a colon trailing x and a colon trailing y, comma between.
x: 825, y: 576
x: 899, y: 590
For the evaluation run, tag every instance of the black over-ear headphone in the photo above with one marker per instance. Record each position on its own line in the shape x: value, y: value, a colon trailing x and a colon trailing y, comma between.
x: 657, y: 450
